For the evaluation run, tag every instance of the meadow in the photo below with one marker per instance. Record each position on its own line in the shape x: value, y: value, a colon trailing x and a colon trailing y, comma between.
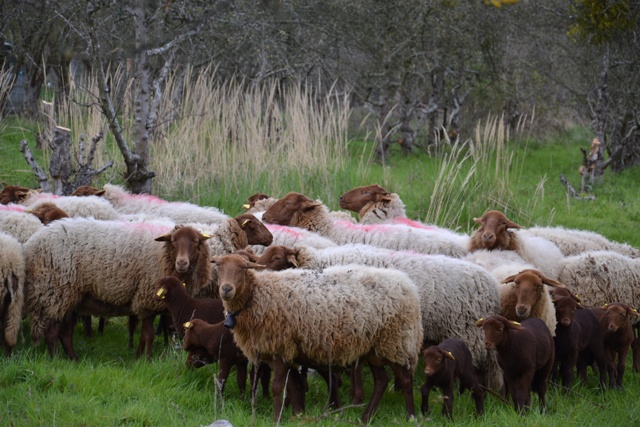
x: 276, y: 140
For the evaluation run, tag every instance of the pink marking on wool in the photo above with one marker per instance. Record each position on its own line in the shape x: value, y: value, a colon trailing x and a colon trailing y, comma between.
x: 414, y: 224
x: 12, y: 208
x: 158, y: 229
x: 147, y: 198
x: 283, y: 229
x: 366, y: 228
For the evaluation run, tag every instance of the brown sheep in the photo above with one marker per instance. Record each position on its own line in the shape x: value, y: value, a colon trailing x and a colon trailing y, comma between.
x: 525, y: 354
x: 443, y: 364
x: 617, y: 335
x: 494, y: 233
x: 87, y: 190
x: 13, y: 194
x: 47, y: 212
x: 578, y: 341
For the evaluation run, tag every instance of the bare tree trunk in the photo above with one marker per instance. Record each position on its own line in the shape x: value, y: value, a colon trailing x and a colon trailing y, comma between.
x: 60, y: 164
x: 600, y: 122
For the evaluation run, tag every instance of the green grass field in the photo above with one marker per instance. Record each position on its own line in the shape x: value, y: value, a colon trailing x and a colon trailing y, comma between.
x: 519, y: 175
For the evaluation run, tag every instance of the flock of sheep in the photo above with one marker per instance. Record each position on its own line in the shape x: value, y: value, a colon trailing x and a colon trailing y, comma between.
x: 291, y: 285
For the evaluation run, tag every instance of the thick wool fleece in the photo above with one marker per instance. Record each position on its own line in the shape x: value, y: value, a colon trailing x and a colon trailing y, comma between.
x: 179, y: 212
x: 294, y: 236
x: 117, y: 263
x: 333, y: 317
x: 12, y: 279
x: 15, y: 222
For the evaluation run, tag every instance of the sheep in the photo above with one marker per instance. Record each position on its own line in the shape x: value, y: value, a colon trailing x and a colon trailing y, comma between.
x: 12, y: 282
x: 179, y: 212
x: 63, y: 279
x: 578, y: 341
x: 617, y: 335
x: 445, y: 285
x: 494, y: 233
x: 14, y: 194
x: 17, y: 222
x: 47, y: 212
x: 258, y: 203
x: 524, y: 295
x: 573, y: 242
x: 294, y: 236
x: 443, y: 364
x: 373, y: 204
x: 217, y: 339
x: 298, y: 210
x: 333, y: 317
x: 525, y: 353
x: 87, y: 190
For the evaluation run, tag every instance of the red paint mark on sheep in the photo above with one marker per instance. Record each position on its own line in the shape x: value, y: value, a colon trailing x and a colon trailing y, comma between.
x: 12, y: 208
x: 414, y: 224
x: 366, y: 228
x: 283, y: 229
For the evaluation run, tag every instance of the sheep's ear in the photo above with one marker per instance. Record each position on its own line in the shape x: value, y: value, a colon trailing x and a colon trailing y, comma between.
x: 477, y: 220
x: 386, y: 198
x: 579, y: 305
x: 449, y: 355
x: 511, y: 224
x: 204, y: 236
x: 164, y: 238
x: 216, y: 259
x: 244, y: 223
x: 292, y: 260
x: 187, y: 325
x: 250, y: 264
x: 513, y: 325
x: 548, y: 281
x: 509, y: 279
x: 309, y: 204
x: 631, y: 311
x: 21, y: 194
x: 480, y: 322
x: 604, y: 306
x: 100, y: 193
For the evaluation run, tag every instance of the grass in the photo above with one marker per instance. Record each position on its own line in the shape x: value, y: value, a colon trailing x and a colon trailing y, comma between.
x: 227, y: 143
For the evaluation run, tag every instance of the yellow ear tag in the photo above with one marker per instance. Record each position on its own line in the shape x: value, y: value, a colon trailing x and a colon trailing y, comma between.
x: 206, y: 235
x: 451, y: 355
x: 246, y: 206
x: 184, y: 284
x: 187, y: 325
x: 246, y: 221
x: 516, y: 323
x: 160, y: 292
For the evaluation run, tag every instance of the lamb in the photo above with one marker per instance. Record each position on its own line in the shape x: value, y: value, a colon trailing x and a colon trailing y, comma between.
x: 574, y: 242
x: 297, y: 210
x: 63, y: 279
x: 578, y: 341
x: 494, y: 233
x: 217, y: 339
x: 151, y: 206
x: 334, y: 317
x: 12, y: 282
x: 17, y: 222
x: 617, y: 335
x: 524, y: 295
x: 443, y: 364
x: 47, y: 212
x: 525, y: 354
x: 445, y: 285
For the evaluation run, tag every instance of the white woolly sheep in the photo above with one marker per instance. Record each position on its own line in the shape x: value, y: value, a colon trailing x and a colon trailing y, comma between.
x: 334, y: 317
x: 445, y: 285
x: 298, y: 210
x: 107, y: 268
x: 12, y: 280
x: 17, y: 222
x: 495, y: 233
x: 574, y: 242
x: 152, y: 206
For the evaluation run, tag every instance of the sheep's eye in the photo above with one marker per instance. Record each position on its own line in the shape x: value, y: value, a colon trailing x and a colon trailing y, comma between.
x: 289, y: 204
x: 538, y: 287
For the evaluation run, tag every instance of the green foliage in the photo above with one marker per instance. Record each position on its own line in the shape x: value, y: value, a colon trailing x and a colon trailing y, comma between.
x: 598, y: 22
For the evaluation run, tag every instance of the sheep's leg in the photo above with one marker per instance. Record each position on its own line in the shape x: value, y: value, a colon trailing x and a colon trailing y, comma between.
x: 425, y: 392
x: 260, y: 376
x: 146, y: 337
x: 635, y: 347
x: 101, y: 322
x: 476, y: 391
x: 133, y: 322
x: 406, y: 377
x: 241, y: 375
x: 566, y: 369
x: 280, y: 370
x: 356, y: 388
x: 622, y: 363
x: 51, y: 337
x: 225, y: 367
x: 66, y: 336
x: 380, y: 381
x: 332, y: 381
x: 296, y: 391
x: 88, y: 329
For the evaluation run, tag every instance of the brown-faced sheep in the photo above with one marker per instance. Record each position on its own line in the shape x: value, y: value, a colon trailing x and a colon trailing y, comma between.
x: 617, y: 335
x: 64, y: 278
x: 13, y: 194
x: 443, y: 365
x: 334, y: 317
x: 525, y: 354
x: 87, y: 190
x: 47, y: 212
x: 524, y: 295
x: 12, y: 282
x: 495, y: 234
x: 373, y: 204
x: 578, y: 341
x: 298, y: 210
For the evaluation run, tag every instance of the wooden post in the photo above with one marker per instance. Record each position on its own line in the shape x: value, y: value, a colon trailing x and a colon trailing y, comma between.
x: 60, y: 165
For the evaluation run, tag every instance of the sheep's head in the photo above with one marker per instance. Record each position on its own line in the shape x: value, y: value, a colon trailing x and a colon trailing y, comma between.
x: 254, y: 198
x: 566, y: 307
x: 232, y: 270
x: 435, y: 359
x: 557, y: 293
x: 167, y: 285
x: 87, y: 190
x: 48, y: 212
x: 257, y: 232
x: 529, y: 289
x: 617, y: 315
x: 493, y: 232
x: 496, y: 330
x: 187, y: 246
x: 286, y: 209
x: 359, y: 197
x: 279, y: 257
x: 13, y: 194
x: 192, y: 332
